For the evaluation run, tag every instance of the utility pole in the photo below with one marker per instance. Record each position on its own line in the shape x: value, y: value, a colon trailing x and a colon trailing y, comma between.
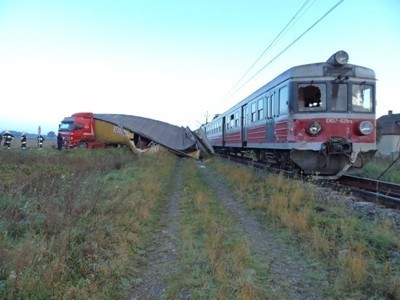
x: 207, y: 115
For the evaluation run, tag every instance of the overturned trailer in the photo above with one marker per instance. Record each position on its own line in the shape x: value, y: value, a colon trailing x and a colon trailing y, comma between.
x: 88, y: 130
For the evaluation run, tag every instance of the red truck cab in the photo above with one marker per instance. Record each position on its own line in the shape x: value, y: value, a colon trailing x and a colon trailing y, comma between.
x: 78, y: 130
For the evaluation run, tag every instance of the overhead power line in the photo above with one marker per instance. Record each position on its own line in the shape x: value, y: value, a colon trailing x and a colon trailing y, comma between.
x: 285, y: 49
x: 269, y: 47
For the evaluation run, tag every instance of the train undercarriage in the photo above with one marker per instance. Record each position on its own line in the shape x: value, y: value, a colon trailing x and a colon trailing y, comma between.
x: 335, y: 158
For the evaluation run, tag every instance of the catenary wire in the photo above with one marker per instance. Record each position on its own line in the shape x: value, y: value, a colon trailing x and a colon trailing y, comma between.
x: 284, y: 30
x: 287, y: 47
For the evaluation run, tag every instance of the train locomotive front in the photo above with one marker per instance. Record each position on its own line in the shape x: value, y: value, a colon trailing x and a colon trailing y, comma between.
x: 318, y: 118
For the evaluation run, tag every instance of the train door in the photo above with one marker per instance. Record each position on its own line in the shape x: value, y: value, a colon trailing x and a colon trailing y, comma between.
x: 223, y: 131
x: 243, y: 125
x: 270, y: 118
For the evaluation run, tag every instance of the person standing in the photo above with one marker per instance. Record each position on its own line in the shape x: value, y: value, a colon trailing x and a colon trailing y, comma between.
x: 23, y: 141
x: 40, y: 140
x: 8, y: 137
x: 59, y: 141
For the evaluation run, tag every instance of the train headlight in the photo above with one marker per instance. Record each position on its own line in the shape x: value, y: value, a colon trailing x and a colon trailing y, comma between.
x: 365, y: 127
x: 315, y: 128
x: 339, y: 58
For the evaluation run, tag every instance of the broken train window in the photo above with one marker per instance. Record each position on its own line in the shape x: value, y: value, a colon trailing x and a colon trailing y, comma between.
x: 312, y: 97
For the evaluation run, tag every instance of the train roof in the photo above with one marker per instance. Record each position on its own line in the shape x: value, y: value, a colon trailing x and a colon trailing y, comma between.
x: 316, y: 70
x: 313, y: 70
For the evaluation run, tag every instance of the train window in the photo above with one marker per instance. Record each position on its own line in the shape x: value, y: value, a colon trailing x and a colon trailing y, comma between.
x: 273, y: 105
x: 260, y: 111
x: 253, y: 112
x: 237, y: 119
x: 312, y: 97
x: 232, y: 120
x: 362, y: 98
x: 283, y: 101
x: 246, y: 116
x: 269, y: 107
x: 339, y: 97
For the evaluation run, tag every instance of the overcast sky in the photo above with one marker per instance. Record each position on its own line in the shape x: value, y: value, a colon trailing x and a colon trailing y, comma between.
x: 178, y: 60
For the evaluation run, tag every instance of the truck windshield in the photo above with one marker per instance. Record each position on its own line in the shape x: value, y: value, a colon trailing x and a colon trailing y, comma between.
x: 66, y: 126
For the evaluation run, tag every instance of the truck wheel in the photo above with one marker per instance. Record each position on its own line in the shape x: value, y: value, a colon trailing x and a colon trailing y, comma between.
x: 83, y: 145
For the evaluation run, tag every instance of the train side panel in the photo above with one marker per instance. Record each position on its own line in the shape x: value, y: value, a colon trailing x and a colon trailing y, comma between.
x: 318, y: 117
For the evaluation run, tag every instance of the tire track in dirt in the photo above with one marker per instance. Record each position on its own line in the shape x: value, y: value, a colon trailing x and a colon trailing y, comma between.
x: 288, y: 274
x: 163, y: 249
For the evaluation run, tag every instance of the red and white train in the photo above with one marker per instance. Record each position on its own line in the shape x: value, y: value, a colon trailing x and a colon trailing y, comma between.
x: 318, y: 118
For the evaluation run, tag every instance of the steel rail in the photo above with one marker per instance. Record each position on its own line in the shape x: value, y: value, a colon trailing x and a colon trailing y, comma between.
x: 381, y: 192
x: 386, y: 193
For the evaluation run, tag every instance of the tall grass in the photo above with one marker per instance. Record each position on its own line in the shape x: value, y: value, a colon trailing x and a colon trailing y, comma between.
x: 360, y: 256
x: 215, y: 259
x: 383, y: 168
x: 71, y: 221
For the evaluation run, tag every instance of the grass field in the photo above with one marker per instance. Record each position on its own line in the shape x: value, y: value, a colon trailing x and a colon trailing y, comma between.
x: 361, y: 256
x: 77, y: 225
x: 71, y: 220
x: 384, y: 169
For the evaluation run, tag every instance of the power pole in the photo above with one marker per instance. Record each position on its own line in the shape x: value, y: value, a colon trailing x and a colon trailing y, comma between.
x: 207, y: 115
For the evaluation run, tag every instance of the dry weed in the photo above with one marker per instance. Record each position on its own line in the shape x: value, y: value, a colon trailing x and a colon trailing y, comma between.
x: 296, y: 220
x: 278, y: 204
x: 354, y: 266
x: 319, y: 243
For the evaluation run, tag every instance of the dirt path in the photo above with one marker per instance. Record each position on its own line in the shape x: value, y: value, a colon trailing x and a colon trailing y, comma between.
x: 292, y: 274
x: 162, y: 252
x: 289, y: 274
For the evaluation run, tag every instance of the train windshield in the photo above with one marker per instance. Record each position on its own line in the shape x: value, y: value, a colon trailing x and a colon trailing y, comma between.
x: 312, y: 97
x: 362, y: 98
x: 339, y: 97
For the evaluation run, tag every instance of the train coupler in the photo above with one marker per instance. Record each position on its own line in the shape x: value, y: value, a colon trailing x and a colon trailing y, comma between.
x: 337, y: 145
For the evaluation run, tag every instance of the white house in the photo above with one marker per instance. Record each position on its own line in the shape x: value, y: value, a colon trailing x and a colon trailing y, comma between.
x: 389, y: 144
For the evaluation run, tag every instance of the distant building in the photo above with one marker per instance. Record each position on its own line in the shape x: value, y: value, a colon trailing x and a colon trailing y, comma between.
x: 389, y: 145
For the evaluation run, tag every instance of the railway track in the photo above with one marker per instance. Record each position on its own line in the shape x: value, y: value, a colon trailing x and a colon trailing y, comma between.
x: 380, y: 192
